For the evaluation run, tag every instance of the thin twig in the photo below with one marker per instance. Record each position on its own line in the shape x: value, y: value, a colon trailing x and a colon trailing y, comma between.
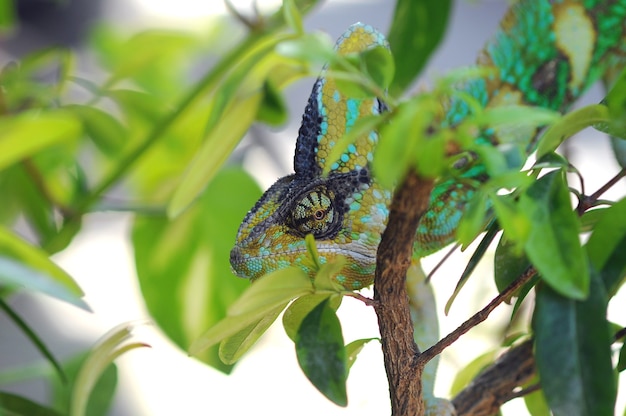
x: 477, y: 318
x: 587, y: 202
x: 620, y: 334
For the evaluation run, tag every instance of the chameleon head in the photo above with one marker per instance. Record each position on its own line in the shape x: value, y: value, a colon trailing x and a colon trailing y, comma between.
x: 345, y: 212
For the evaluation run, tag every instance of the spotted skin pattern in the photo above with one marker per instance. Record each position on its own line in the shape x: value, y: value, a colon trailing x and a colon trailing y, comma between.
x: 546, y: 54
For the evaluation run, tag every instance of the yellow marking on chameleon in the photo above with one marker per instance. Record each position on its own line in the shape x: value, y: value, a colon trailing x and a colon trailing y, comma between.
x: 571, y: 20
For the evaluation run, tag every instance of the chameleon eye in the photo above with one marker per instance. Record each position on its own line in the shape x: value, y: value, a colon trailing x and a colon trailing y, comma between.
x: 314, y: 213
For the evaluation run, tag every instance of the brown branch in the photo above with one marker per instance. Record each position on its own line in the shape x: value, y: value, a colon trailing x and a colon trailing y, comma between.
x: 400, y: 352
x: 496, y: 385
x: 478, y: 317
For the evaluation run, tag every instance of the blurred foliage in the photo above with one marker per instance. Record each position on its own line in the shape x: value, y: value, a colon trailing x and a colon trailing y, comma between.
x: 159, y: 126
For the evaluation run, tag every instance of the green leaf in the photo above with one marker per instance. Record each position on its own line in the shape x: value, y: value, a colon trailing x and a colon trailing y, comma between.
x: 13, y: 405
x: 321, y: 353
x: 379, y: 65
x: 325, y: 277
x: 310, y: 47
x: 216, y: 148
x: 607, y: 244
x: 273, y: 109
x: 301, y: 307
x: 238, y: 326
x: 7, y: 14
x: 113, y: 344
x: 273, y: 289
x: 621, y: 363
x: 553, y: 246
x: 465, y: 376
x: 104, y: 129
x: 182, y: 265
x: 509, y: 263
x: 513, y: 220
x: 416, y: 30
x: 101, y: 397
x: 616, y: 102
x: 24, y: 135
x: 473, y: 220
x: 573, y: 352
x: 354, y: 348
x: 536, y: 401
x: 235, y: 346
x: 569, y: 124
x: 292, y: 16
x: 473, y: 262
x: 619, y: 151
x: 28, y: 267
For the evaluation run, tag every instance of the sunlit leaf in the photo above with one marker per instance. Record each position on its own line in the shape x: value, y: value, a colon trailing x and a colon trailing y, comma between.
x: 28, y: 267
x: 235, y: 346
x: 26, y: 134
x: 553, y: 246
x: 416, y: 30
x: 216, y: 148
x: 273, y: 289
x: 321, y: 353
x: 573, y: 352
x: 354, y: 348
x: 301, y: 307
x: 113, y: 344
x: 104, y: 129
x: 101, y: 397
x: 292, y: 16
x: 181, y: 262
x: 379, y: 65
x: 571, y: 123
x: 607, y: 244
x: 465, y: 376
x: 536, y: 401
x: 473, y: 220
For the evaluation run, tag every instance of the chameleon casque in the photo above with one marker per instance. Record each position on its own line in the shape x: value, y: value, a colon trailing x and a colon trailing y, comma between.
x: 546, y: 54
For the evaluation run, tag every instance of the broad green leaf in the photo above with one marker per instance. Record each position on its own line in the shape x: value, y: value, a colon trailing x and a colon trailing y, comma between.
x: 321, y: 353
x: 468, y: 373
x: 273, y: 289
x: 101, y: 397
x: 509, y: 263
x: 216, y: 148
x: 616, y: 102
x: 230, y: 326
x: 553, y: 245
x: 607, y: 244
x: 569, y: 124
x: 416, y: 30
x: 301, y: 307
x: 379, y: 65
x: 34, y: 338
x: 14, y: 405
x: 516, y: 116
x: 113, y: 344
x: 233, y: 347
x: 105, y: 130
x: 26, y: 266
x: 183, y: 264
x: 26, y: 134
x: 354, y: 348
x: 573, y: 352
x: 513, y: 220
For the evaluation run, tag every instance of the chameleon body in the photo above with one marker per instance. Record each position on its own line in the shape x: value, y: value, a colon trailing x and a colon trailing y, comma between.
x: 546, y: 54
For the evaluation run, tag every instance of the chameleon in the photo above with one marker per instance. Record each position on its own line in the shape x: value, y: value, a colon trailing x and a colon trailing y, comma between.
x: 545, y: 53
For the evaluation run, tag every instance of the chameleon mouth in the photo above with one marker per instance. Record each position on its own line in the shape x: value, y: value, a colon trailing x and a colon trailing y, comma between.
x: 237, y: 257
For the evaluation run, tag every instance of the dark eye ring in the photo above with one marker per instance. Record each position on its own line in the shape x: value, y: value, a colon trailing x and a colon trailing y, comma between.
x: 319, y: 214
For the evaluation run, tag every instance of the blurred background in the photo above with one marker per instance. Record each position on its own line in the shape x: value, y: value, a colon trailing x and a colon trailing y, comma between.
x: 163, y: 380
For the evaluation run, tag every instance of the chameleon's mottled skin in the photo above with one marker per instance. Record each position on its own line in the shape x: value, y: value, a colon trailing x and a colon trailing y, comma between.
x: 545, y: 54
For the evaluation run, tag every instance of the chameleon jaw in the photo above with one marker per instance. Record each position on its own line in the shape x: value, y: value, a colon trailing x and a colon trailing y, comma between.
x: 356, y: 274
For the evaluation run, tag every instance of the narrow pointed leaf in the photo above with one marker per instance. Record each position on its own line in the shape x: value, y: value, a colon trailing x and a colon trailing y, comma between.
x: 553, y: 245
x: 354, y: 348
x: 14, y: 405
